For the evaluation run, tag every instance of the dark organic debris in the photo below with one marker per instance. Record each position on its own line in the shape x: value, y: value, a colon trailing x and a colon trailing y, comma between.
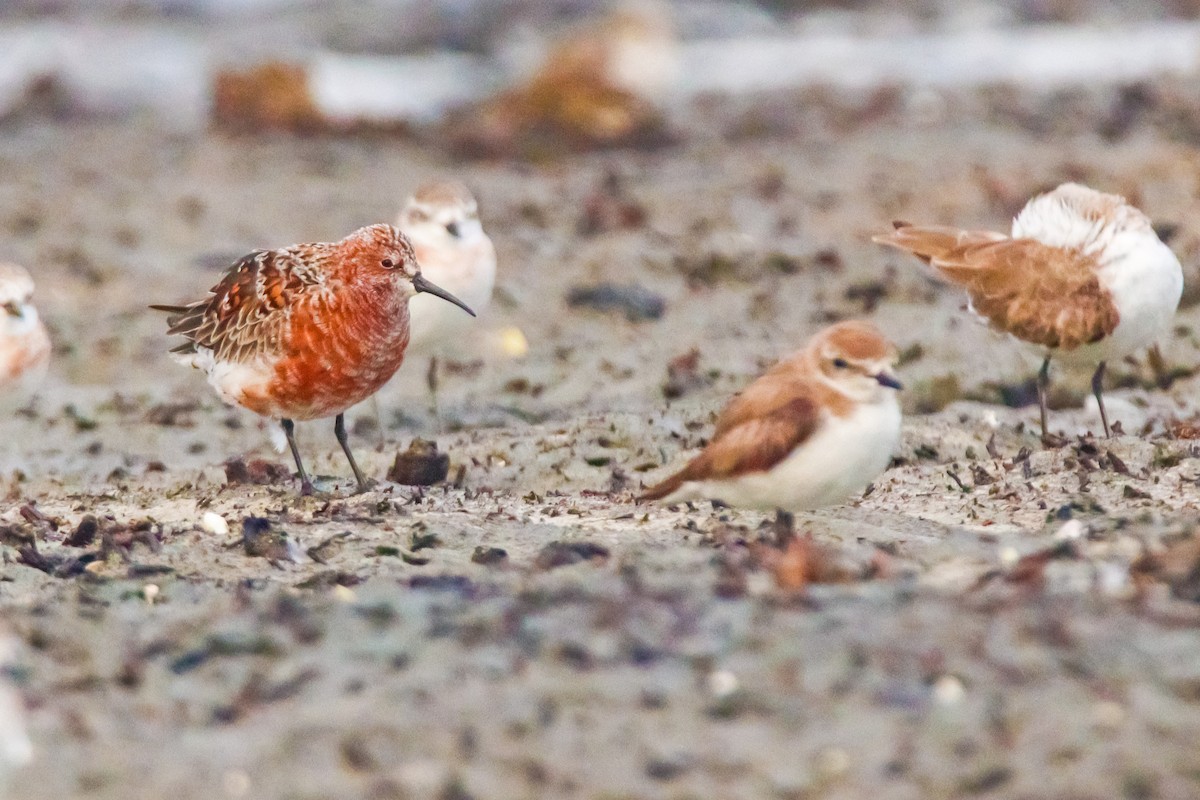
x: 608, y: 207
x: 260, y: 690
x: 1185, y: 428
x: 329, y: 578
x: 732, y: 581
x: 84, y: 533
x: 325, y: 549
x: 422, y: 539
x: 801, y: 561
x: 868, y: 294
x: 172, y: 414
x: 31, y: 514
x: 1030, y: 569
x: 420, y: 465
x: 116, y: 538
x: 260, y: 539
x: 489, y: 556
x: 59, y: 566
x: 1178, y: 566
x: 1165, y: 374
x: 637, y: 303
x: 460, y: 584
x: 257, y: 471
x: 227, y: 645
x: 561, y: 554
x: 684, y: 376
x: 17, y: 535
x: 709, y: 268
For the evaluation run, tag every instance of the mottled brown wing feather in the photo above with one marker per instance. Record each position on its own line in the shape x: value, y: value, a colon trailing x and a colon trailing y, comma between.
x: 245, y: 314
x: 1046, y: 295
x: 753, y: 445
x: 772, y: 390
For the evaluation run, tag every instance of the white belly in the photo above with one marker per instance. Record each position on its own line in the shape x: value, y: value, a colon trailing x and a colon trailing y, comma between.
x: 436, y: 326
x: 1146, y: 286
x: 230, y: 380
x: 839, y: 461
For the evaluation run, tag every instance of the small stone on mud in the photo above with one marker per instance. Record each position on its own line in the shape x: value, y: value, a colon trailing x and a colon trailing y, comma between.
x: 420, y: 465
x: 214, y: 523
x: 489, y: 556
x: 637, y: 303
x: 85, y: 533
x: 561, y: 554
x: 257, y: 471
x: 684, y: 376
x: 260, y: 539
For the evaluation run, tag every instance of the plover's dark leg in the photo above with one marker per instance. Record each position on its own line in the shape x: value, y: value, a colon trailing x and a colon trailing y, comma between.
x: 431, y: 380
x: 339, y: 430
x: 289, y: 430
x: 785, y: 527
x: 1098, y: 391
x: 1043, y: 382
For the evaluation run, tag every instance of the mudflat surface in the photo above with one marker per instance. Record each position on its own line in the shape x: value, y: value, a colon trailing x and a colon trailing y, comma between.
x: 977, y: 630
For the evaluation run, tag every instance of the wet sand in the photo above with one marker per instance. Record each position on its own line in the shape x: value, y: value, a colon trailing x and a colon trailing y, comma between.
x: 388, y: 650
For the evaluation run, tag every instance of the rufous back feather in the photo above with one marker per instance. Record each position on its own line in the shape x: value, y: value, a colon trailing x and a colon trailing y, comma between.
x: 1046, y: 295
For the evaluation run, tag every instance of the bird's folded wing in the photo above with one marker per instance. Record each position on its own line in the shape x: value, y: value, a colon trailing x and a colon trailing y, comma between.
x: 772, y: 391
x: 1043, y: 294
x: 756, y: 444
x: 244, y: 316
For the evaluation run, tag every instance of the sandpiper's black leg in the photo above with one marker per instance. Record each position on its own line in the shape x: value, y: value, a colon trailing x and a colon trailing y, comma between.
x: 339, y: 430
x: 1098, y: 391
x: 289, y: 430
x: 1043, y: 383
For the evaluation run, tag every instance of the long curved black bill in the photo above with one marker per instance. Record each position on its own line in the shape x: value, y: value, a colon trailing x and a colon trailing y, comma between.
x: 422, y: 285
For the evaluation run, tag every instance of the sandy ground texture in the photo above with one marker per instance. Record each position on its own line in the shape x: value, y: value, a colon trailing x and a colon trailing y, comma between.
x: 992, y: 618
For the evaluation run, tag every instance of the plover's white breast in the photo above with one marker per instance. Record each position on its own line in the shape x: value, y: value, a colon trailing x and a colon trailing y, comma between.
x: 467, y: 272
x: 841, y: 457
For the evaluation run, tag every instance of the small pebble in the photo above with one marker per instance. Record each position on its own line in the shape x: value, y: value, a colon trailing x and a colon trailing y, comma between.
x: 948, y: 690
x: 1072, y: 530
x: 513, y: 342
x: 214, y: 523
x: 722, y: 683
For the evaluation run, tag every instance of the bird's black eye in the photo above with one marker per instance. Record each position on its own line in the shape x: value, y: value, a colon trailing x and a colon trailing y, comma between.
x: 841, y: 363
x: 388, y: 263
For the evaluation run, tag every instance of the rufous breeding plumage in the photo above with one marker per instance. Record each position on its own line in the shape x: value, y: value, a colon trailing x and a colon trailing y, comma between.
x: 307, y: 331
x: 811, y: 431
x: 1083, y: 278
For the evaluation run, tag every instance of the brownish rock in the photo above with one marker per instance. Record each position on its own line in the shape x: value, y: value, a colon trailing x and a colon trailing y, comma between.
x: 420, y: 465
